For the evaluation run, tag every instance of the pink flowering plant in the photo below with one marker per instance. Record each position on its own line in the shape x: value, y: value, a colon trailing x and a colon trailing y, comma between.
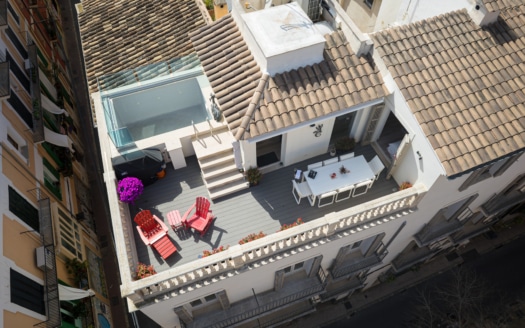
x: 299, y: 221
x: 129, y: 189
x: 144, y: 270
x: 214, y: 251
x: 252, y: 237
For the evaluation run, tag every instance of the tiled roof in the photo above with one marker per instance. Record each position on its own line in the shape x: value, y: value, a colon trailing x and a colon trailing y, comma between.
x: 463, y: 83
x: 493, y: 5
x: 121, y: 35
x: 254, y: 103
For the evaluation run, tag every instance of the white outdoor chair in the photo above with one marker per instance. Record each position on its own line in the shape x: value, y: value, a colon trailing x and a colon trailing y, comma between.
x: 346, y: 156
x: 330, y: 161
x: 301, y: 190
x: 361, y: 188
x: 327, y: 198
x: 376, y: 165
x: 344, y: 193
x: 314, y: 165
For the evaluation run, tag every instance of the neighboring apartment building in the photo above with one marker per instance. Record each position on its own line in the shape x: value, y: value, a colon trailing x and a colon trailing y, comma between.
x: 439, y: 102
x: 46, y: 218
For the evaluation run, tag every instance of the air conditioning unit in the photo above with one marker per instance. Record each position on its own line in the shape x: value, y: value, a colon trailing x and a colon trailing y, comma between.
x: 316, y: 299
x: 27, y: 64
x: 41, y: 263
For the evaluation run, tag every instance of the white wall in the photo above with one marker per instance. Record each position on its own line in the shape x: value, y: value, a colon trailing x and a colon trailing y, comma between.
x: 302, y: 144
x: 400, y: 12
x: 262, y: 278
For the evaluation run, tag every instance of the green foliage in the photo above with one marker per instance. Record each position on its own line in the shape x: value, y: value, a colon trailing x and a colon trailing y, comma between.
x: 253, y: 175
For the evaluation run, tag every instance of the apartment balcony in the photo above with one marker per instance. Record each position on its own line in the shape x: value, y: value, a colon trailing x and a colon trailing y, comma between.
x: 262, y: 208
x: 501, y: 202
x: 341, y: 287
x: 360, y: 264
x: 269, y: 307
x: 5, y: 89
x: 411, y: 256
x: 436, y: 231
x: 469, y: 231
x: 37, y: 110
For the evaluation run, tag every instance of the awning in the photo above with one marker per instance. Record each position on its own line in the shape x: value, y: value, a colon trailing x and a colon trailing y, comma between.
x: 51, y: 107
x: 66, y: 293
x: 58, y: 139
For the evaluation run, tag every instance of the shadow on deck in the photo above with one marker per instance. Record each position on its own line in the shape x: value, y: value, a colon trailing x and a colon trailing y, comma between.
x: 262, y: 208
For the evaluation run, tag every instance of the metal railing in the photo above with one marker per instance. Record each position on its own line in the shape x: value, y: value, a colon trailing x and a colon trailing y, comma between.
x: 38, y: 119
x: 361, y: 264
x: 3, y: 13
x: 260, y: 310
x: 51, y: 298
x: 5, y: 89
x: 430, y: 233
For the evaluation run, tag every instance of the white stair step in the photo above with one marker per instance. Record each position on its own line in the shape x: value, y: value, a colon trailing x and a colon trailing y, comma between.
x: 219, y: 170
x: 211, y: 145
x: 224, y: 179
x: 228, y: 189
x: 219, y: 159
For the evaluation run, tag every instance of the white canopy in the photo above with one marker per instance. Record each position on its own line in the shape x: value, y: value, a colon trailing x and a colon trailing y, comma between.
x: 51, y: 107
x: 66, y: 293
x: 58, y: 139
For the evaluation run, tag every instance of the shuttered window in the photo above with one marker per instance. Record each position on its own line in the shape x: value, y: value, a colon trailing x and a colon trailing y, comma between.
x: 27, y: 293
x: 23, y: 209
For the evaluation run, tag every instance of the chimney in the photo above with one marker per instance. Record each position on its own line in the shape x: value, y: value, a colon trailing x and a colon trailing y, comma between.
x: 482, y: 16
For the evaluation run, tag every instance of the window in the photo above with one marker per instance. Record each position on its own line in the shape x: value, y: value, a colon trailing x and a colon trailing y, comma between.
x: 23, y: 209
x: 369, y: 3
x: 52, y: 179
x: 69, y: 233
x: 21, y: 109
x: 294, y: 268
x: 18, y: 143
x: 18, y: 72
x: 204, y: 300
x: 16, y: 42
x: 13, y: 13
x: 492, y: 170
x: 27, y: 293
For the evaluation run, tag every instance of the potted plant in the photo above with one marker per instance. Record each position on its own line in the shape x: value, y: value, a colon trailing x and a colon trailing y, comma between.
x: 405, y: 185
x: 343, y: 170
x: 79, y: 272
x: 253, y: 175
x: 344, y: 144
x: 299, y: 221
x: 129, y: 189
x: 144, y: 270
x: 252, y: 237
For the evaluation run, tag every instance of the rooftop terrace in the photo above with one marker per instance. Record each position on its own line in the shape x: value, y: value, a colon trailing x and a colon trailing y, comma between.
x: 262, y: 208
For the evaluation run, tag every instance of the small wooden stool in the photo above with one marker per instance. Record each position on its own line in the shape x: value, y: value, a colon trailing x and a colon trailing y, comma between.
x: 175, y: 220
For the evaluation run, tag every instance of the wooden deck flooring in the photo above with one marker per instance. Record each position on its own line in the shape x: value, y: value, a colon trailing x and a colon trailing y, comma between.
x: 264, y: 207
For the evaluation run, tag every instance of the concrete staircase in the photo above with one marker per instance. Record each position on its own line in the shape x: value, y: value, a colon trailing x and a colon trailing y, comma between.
x: 216, y: 159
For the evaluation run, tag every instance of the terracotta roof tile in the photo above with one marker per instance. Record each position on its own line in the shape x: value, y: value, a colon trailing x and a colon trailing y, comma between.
x: 469, y: 78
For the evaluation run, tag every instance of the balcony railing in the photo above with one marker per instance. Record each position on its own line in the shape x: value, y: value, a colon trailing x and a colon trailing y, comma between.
x: 362, y: 263
x: 343, y: 286
x: 256, y: 253
x: 278, y: 303
x: 430, y: 232
x: 51, y: 298
x: 501, y: 202
x: 38, y: 118
x: 407, y: 259
x: 5, y: 88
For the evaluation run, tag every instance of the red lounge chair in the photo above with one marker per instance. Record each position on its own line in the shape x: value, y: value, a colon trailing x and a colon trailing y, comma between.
x: 201, y: 219
x: 154, y: 232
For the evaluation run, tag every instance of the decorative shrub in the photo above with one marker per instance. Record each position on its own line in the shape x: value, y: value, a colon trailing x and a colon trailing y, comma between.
x: 214, y: 251
x: 129, y: 189
x: 144, y: 270
x: 252, y: 237
x: 253, y: 175
x: 299, y: 221
x: 405, y: 185
x: 345, y: 144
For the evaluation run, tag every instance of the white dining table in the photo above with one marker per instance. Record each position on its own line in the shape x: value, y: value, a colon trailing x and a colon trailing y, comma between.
x: 323, y: 182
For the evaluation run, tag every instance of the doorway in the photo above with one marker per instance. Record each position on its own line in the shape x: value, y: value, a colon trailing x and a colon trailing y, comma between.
x: 269, y: 151
x: 342, y: 127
